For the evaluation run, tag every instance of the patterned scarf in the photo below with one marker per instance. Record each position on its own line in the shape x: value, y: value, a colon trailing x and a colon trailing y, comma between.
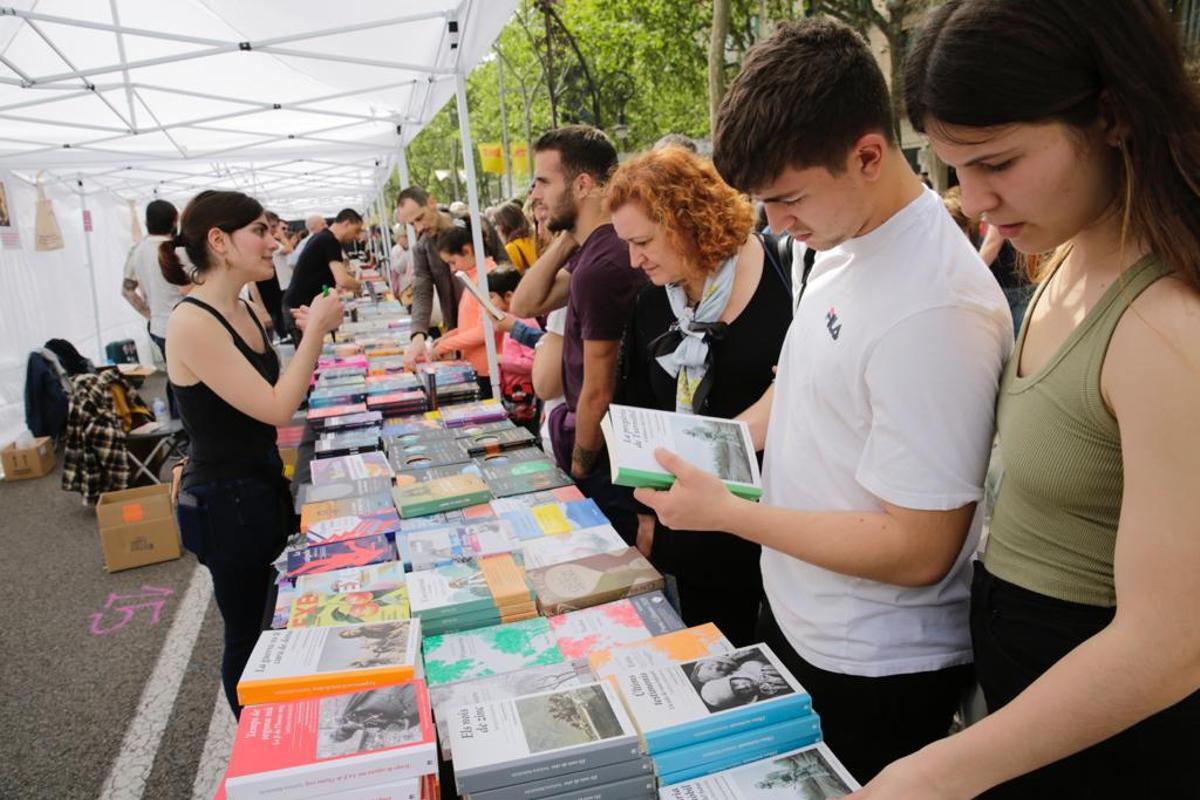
x: 687, y: 362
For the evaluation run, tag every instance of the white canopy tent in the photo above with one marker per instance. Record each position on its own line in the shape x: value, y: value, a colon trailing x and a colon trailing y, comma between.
x: 304, y: 105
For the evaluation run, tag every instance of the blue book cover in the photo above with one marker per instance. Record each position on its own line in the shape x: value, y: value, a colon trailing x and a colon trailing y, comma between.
x: 742, y: 748
x: 684, y: 704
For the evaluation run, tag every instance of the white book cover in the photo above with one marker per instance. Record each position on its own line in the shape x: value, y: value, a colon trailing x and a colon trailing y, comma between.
x: 722, y: 447
x: 496, y: 736
x: 810, y: 773
x: 388, y: 575
x: 549, y: 550
x: 430, y: 548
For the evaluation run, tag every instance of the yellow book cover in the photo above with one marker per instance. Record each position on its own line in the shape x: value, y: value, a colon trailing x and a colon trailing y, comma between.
x: 505, y: 579
x: 667, y: 648
x: 312, y: 662
x: 349, y: 608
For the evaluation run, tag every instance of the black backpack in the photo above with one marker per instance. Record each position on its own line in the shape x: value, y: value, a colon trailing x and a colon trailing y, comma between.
x: 780, y: 252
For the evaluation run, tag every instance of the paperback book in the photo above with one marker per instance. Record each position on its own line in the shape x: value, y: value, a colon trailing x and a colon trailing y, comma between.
x: 485, y: 586
x: 355, y: 526
x: 489, y: 651
x: 688, y: 644
x: 442, y: 494
x: 720, y: 446
x: 808, y: 773
x: 340, y: 555
x: 358, y: 419
x: 344, y: 468
x: 388, y: 575
x: 545, y: 551
x: 480, y: 512
x: 284, y: 594
x: 425, y: 454
x: 634, y: 619
x: 590, y: 581
x: 323, y: 414
x: 312, y: 513
x: 444, y: 546
x: 311, y: 610
x: 492, y: 442
x: 415, y: 476
x: 472, y: 413
x: 445, y: 697
x: 625, y: 780
x: 340, y: 490
x: 724, y: 752
x: 344, y: 742
x: 346, y: 443
x: 507, y: 478
x: 292, y: 664
x: 680, y: 705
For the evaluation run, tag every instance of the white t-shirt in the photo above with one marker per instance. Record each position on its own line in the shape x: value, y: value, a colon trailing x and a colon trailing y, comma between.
x: 556, y: 322
x: 283, y: 269
x: 161, y: 297
x: 886, y: 391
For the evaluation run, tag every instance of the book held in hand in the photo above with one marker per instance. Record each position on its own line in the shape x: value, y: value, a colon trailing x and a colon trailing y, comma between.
x: 722, y: 447
x: 310, y: 662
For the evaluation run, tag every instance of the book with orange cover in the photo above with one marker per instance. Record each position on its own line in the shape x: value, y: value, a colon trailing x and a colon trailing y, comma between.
x: 346, y: 507
x: 298, y: 663
x: 336, y: 743
x: 688, y: 644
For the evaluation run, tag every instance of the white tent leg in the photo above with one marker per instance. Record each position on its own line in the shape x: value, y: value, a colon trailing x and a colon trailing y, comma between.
x: 87, y: 245
x: 468, y: 148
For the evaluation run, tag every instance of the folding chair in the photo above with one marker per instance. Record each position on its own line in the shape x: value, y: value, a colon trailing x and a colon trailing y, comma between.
x: 167, y: 437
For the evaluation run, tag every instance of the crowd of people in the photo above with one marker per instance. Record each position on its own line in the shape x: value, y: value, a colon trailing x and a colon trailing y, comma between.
x: 868, y: 343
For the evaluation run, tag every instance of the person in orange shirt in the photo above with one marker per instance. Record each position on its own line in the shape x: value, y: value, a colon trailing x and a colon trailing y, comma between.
x: 455, y: 248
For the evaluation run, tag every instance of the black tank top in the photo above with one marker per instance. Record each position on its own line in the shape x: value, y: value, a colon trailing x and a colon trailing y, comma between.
x: 226, y: 443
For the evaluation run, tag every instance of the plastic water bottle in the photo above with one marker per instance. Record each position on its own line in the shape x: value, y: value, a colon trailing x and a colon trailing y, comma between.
x: 160, y: 410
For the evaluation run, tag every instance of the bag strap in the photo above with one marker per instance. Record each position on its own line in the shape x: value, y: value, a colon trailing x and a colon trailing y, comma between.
x: 773, y: 250
x: 810, y: 258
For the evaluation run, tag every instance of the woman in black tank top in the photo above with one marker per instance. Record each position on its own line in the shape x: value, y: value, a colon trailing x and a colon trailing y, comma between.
x: 234, y: 505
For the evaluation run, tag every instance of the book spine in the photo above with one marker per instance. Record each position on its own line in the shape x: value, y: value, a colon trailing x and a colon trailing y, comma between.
x: 347, y: 773
x: 425, y: 507
x: 298, y: 687
x: 745, y: 718
x: 629, y: 789
x: 543, y: 766
x: 572, y: 782
x: 742, y: 748
x: 552, y: 607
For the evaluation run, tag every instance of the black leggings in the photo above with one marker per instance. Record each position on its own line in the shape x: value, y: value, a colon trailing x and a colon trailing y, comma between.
x: 236, y: 528
x: 1018, y: 635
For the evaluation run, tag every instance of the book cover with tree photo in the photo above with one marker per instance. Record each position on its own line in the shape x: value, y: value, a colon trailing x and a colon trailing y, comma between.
x: 566, y: 718
x: 715, y: 446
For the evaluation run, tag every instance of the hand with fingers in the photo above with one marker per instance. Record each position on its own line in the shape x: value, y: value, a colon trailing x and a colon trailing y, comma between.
x: 698, y: 500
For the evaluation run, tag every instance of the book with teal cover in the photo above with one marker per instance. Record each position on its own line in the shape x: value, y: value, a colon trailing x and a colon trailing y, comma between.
x: 466, y: 587
x: 442, y: 494
x: 715, y: 755
x: 489, y: 651
x: 812, y: 772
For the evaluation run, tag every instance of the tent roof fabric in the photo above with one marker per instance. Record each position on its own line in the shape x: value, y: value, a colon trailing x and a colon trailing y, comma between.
x: 296, y: 101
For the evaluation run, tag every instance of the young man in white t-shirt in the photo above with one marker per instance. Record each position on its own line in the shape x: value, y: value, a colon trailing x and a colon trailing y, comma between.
x: 881, y: 417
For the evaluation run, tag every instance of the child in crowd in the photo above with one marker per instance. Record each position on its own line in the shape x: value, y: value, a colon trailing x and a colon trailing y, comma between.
x: 516, y: 359
x: 455, y: 248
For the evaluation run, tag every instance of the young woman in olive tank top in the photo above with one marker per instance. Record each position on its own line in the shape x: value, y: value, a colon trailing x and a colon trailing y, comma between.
x: 234, y: 506
x: 1075, y: 131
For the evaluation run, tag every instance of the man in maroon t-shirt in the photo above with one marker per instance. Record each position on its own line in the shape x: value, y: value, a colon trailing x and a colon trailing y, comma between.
x: 586, y: 268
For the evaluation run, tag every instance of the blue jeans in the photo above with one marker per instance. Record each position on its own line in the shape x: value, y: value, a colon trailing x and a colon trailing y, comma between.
x: 236, y: 528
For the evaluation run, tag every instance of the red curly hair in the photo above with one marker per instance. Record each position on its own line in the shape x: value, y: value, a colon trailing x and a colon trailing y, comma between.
x: 706, y: 220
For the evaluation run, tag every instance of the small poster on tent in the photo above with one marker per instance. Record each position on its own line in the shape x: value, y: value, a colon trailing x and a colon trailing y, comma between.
x: 9, y: 238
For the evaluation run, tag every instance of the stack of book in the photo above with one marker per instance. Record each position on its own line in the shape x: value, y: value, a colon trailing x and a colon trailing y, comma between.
x: 397, y: 402
x: 493, y: 650
x: 459, y: 416
x: 809, y: 773
x: 440, y: 494
x: 470, y: 594
x: 367, y: 741
x: 595, y: 579
x: 515, y: 472
x: 602, y: 627
x: 347, y: 442
x: 340, y: 490
x: 427, y: 451
x: 338, y: 395
x: 703, y: 716
x: 320, y: 418
x: 567, y: 743
x: 344, y: 468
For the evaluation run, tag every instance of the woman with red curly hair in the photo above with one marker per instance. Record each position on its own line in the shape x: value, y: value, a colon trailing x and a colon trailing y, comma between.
x: 703, y: 339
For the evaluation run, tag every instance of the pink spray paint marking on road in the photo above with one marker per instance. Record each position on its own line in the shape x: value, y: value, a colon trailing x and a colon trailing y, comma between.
x: 121, y: 609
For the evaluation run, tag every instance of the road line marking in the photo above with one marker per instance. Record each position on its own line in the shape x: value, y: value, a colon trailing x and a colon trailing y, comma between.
x: 217, y: 747
x: 127, y: 778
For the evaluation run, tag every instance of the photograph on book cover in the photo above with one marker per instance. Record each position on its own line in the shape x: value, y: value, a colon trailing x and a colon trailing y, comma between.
x: 800, y: 776
x: 734, y: 680
x: 363, y: 646
x: 713, y: 445
x: 367, y: 721
x: 572, y: 717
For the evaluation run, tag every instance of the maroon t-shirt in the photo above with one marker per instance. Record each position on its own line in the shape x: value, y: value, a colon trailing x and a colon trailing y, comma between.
x: 603, y: 289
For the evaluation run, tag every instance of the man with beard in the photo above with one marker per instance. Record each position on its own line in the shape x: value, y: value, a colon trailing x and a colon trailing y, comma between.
x: 416, y: 207
x: 586, y: 268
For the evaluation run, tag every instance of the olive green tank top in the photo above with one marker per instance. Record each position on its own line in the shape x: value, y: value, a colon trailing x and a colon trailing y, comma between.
x: 1054, y: 526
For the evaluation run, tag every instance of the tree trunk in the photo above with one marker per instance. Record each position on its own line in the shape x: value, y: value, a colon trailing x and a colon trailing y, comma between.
x: 716, y: 59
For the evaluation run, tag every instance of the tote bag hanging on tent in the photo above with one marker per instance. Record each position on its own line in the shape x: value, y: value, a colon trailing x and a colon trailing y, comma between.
x: 47, y: 234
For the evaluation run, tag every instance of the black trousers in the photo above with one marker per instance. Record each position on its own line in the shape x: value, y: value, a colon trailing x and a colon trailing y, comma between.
x: 1018, y: 635
x: 871, y: 722
x: 732, y: 607
x: 236, y: 528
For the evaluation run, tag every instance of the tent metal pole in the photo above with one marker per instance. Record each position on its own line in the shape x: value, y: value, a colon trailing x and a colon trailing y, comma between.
x: 468, y: 148
x: 402, y: 172
x: 385, y: 229
x: 87, y: 244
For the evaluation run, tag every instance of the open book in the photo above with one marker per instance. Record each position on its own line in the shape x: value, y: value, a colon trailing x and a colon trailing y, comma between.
x: 484, y: 299
x: 720, y: 446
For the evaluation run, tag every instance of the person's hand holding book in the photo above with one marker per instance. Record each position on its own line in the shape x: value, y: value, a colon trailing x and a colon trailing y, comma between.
x: 697, y: 501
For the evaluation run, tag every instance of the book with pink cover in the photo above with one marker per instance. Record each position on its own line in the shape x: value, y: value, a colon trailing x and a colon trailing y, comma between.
x: 581, y: 633
x: 324, y: 745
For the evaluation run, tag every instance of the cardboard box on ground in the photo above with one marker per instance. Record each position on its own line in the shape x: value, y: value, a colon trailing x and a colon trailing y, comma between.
x: 32, y: 461
x: 137, y: 527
